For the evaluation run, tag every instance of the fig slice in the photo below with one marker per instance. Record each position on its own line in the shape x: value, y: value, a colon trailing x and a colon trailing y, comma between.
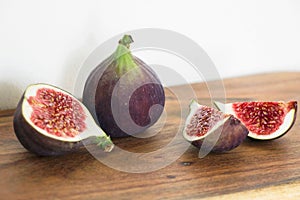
x: 264, y: 120
x: 50, y: 121
x: 218, y: 131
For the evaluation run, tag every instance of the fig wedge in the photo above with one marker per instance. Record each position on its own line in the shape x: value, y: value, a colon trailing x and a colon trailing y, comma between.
x: 222, y: 132
x: 265, y: 120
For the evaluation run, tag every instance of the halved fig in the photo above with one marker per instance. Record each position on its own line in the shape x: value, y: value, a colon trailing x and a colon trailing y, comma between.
x: 264, y: 120
x: 220, y: 132
x: 50, y: 121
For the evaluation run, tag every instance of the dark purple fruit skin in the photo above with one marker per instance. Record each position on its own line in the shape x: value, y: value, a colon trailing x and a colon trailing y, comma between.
x: 233, y: 133
x: 98, y: 95
x: 36, y: 142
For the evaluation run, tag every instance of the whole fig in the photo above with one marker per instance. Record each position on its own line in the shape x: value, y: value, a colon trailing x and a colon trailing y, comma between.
x: 124, y: 95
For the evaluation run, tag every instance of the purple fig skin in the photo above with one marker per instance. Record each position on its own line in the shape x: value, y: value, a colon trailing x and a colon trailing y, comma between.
x: 233, y: 133
x: 36, y: 142
x: 98, y: 95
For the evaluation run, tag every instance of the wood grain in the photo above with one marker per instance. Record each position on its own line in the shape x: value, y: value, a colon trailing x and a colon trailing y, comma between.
x: 264, y: 168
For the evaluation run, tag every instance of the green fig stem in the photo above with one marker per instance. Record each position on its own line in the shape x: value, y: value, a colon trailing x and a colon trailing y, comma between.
x: 123, y: 56
x: 105, y: 143
x: 126, y: 41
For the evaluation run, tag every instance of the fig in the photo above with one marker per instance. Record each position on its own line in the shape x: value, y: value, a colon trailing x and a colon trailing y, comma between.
x: 264, y: 120
x: 124, y: 95
x: 50, y: 121
x: 223, y: 132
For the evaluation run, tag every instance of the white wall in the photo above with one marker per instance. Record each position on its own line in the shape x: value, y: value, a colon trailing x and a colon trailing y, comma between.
x: 47, y: 41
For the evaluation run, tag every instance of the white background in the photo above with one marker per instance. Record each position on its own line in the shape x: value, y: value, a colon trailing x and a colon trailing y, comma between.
x: 47, y: 41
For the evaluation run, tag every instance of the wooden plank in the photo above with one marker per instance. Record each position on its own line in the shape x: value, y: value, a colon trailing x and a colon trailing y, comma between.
x: 264, y: 167
x: 5, y: 113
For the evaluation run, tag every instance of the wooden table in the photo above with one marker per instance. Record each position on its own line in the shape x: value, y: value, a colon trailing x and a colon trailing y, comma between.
x: 262, y: 170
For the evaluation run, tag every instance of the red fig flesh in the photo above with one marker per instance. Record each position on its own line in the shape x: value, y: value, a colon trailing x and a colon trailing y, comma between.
x: 264, y: 120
